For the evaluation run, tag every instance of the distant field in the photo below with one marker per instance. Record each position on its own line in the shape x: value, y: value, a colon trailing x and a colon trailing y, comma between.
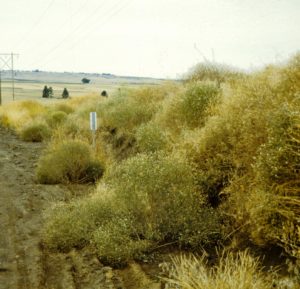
x: 30, y: 90
x: 29, y: 85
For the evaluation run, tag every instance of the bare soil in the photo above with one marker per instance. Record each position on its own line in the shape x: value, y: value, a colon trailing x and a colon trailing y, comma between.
x: 24, y: 262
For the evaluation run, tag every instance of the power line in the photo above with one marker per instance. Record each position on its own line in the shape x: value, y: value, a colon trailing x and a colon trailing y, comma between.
x: 54, y: 48
x: 33, y: 46
x: 112, y: 12
x: 36, y: 23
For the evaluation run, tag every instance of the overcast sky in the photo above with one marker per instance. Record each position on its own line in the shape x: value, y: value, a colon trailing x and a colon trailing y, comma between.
x: 158, y: 38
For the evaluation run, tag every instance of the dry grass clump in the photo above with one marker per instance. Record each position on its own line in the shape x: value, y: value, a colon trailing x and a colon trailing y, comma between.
x: 64, y: 107
x: 73, y: 128
x: 232, y: 271
x: 56, y: 118
x: 36, y: 132
x: 265, y: 199
x: 4, y: 119
x: 71, y: 161
x: 16, y: 115
x: 80, y: 101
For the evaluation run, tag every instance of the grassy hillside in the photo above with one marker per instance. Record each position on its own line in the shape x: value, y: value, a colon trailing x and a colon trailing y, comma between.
x: 213, y: 161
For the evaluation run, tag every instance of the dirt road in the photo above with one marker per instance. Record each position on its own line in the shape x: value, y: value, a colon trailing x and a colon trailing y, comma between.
x: 24, y: 263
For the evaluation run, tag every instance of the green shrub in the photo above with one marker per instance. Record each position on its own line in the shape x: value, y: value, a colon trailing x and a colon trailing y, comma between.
x: 150, y: 138
x: 99, y: 221
x: 37, y: 132
x: 195, y: 103
x: 93, y: 172
x: 159, y: 192
x: 188, y: 109
x: 69, y: 162
x: 56, y: 118
x: 116, y: 244
x: 67, y: 226
x: 72, y: 225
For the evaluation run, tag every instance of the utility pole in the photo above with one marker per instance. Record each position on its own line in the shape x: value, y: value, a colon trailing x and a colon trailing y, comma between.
x: 0, y: 90
x: 12, y: 75
x: 7, y: 61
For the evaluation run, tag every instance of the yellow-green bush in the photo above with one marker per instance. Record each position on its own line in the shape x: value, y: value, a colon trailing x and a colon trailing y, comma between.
x: 36, y: 132
x: 96, y: 221
x: 70, y: 161
x: 195, y: 103
x: 188, y: 109
x: 159, y: 192
x: 73, y: 225
x: 151, y: 137
x: 116, y: 244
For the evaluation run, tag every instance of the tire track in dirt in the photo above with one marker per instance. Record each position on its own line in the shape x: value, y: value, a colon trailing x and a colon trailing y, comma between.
x: 22, y: 203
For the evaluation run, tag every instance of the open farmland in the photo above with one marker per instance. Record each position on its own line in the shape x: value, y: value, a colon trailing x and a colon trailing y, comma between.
x: 29, y: 85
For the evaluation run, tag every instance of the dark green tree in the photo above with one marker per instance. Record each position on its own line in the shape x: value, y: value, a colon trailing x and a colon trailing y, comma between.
x: 85, y: 80
x: 46, y: 92
x: 50, y: 92
x: 104, y: 93
x: 65, y: 93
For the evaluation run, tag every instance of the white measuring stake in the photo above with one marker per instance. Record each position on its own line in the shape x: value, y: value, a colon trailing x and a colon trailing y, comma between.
x: 93, y: 126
